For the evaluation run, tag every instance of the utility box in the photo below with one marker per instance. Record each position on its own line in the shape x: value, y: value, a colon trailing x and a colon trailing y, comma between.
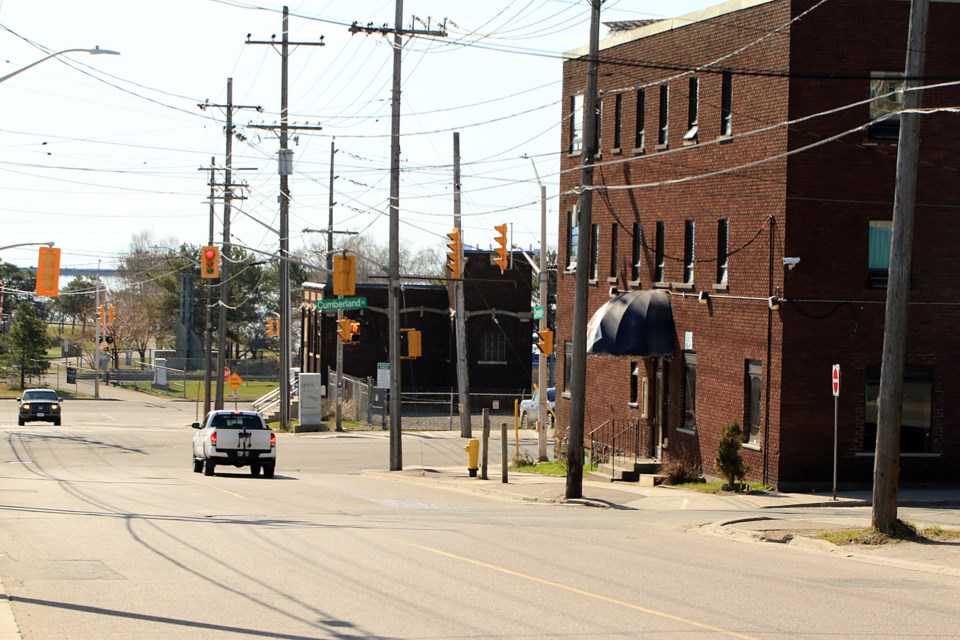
x: 311, y: 400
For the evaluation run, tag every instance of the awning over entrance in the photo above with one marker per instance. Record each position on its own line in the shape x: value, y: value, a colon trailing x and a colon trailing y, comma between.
x: 637, y: 323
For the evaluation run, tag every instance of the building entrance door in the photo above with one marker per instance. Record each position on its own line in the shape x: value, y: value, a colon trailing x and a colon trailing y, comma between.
x: 660, y: 380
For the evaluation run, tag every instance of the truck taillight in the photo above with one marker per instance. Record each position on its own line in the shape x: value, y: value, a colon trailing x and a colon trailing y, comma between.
x: 273, y: 439
x: 213, y: 438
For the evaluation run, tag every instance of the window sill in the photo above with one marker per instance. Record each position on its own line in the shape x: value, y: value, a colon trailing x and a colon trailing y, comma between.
x: 752, y: 446
x: 721, y: 287
x: 690, y: 143
x: 663, y: 147
x: 633, y: 284
x: 574, y: 154
x: 593, y: 281
x: 660, y: 284
x: 612, y: 280
x: 682, y: 286
x: 616, y: 152
x: 639, y: 151
x: 871, y: 454
x: 493, y: 362
x: 685, y: 431
x: 724, y: 138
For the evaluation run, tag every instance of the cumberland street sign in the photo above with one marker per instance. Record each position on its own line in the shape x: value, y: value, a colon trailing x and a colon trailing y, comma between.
x: 334, y: 304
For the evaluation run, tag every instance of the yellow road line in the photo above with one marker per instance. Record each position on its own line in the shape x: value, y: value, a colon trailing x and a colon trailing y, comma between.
x: 582, y: 592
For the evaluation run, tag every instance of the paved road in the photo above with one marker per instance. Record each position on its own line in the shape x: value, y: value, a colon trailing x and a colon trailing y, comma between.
x: 107, y: 533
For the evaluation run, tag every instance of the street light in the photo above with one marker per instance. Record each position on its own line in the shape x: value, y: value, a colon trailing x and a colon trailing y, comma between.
x: 542, y: 370
x: 94, y: 51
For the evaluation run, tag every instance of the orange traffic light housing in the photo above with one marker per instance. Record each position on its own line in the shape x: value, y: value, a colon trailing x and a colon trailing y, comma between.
x: 210, y: 262
x: 501, y: 260
x: 456, y: 250
x: 344, y: 330
x: 344, y: 275
x: 354, y: 332
x: 48, y: 272
x: 546, y: 342
x: 270, y: 331
x: 410, y: 344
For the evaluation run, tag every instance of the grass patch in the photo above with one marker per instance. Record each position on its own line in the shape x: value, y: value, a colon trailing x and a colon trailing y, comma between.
x: 902, y: 532
x: 550, y: 468
x: 718, y: 487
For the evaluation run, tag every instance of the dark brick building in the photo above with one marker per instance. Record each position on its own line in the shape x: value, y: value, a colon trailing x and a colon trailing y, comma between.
x: 734, y: 141
x: 499, y: 331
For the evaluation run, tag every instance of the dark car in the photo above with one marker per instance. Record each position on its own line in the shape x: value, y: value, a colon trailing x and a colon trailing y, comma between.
x: 39, y: 404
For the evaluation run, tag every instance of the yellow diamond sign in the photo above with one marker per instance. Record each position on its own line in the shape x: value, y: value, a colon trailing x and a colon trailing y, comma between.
x: 235, y: 381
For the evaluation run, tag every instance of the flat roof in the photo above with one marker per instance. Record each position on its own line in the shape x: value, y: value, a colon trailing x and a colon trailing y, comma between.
x: 668, y: 24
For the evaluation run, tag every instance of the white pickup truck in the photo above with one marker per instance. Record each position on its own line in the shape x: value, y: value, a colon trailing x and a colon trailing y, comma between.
x: 235, y: 438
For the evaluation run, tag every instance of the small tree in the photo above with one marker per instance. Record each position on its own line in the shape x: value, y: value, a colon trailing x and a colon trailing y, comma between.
x: 25, y: 348
x: 729, y: 460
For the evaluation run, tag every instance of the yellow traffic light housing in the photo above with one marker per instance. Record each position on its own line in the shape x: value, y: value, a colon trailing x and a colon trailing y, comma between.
x: 501, y: 260
x: 456, y: 251
x: 100, y: 317
x: 343, y: 330
x: 270, y: 326
x: 210, y: 262
x: 48, y: 272
x: 344, y: 275
x: 111, y: 314
x: 546, y: 342
x: 354, y: 332
x: 410, y: 344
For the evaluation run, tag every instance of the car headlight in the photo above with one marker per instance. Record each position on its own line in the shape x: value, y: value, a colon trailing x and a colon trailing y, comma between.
x: 25, y: 405
x: 54, y: 407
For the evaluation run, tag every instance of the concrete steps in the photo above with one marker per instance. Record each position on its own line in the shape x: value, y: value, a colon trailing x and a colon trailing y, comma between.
x: 644, y: 471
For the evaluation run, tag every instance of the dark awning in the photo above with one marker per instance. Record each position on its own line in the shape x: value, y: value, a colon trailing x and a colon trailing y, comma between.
x: 637, y: 323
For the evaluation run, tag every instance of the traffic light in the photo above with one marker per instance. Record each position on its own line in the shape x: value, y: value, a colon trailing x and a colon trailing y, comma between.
x: 210, y: 262
x: 48, y: 272
x: 453, y: 257
x: 409, y: 344
x: 343, y: 330
x: 100, y: 315
x: 354, y: 332
x: 344, y: 275
x: 546, y: 342
x: 270, y: 331
x: 111, y: 314
x: 501, y: 260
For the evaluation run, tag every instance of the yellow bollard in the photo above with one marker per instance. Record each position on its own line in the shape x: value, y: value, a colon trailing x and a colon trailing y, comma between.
x: 473, y: 456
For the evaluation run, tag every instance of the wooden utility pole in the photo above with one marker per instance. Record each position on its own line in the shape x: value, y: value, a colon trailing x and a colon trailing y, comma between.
x: 393, y: 264
x: 460, y: 312
x: 886, y: 469
x: 208, y: 306
x: 285, y: 169
x: 574, y: 488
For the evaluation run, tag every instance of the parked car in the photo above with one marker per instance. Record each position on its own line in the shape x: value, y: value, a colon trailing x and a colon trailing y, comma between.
x: 235, y: 438
x: 39, y: 405
x: 529, y: 409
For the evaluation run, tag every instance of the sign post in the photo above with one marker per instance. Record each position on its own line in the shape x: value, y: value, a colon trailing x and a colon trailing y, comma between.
x: 835, y: 377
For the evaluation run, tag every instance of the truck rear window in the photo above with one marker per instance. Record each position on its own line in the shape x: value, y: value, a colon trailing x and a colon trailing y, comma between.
x: 237, y: 422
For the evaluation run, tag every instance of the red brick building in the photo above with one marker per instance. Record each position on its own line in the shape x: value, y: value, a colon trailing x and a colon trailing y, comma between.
x: 746, y: 172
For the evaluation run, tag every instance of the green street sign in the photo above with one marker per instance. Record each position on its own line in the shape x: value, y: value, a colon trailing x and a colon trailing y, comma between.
x: 538, y: 312
x: 334, y: 304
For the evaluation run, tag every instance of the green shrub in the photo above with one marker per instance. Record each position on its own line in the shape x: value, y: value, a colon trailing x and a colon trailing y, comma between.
x: 729, y: 461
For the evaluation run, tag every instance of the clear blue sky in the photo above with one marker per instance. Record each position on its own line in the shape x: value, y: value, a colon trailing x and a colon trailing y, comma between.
x: 95, y: 149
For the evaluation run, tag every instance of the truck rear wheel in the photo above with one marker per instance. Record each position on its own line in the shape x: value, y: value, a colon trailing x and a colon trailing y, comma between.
x: 268, y: 470
x: 208, y: 468
x: 254, y: 470
x: 197, y: 466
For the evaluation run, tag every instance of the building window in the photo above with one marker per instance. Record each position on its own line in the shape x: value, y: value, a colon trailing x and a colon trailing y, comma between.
x: 878, y: 256
x: 916, y: 408
x: 493, y: 348
x: 693, y: 109
x: 753, y: 397
x: 567, y: 364
x: 573, y: 237
x: 886, y: 101
x: 664, y: 116
x: 594, y: 251
x: 641, y: 105
x: 635, y: 383
x: 576, y: 123
x: 690, y: 391
x: 688, y: 240
x: 617, y: 121
x: 614, y: 240
x: 661, y: 232
x: 637, y: 252
x: 598, y: 134
x: 723, y: 248
x: 726, y: 104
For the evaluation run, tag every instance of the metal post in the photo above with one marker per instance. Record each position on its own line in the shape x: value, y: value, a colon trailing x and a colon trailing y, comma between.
x: 339, y: 387
x: 285, y: 162
x: 503, y: 452
x: 208, y: 314
x: 485, y: 445
x: 835, y: 399
x: 96, y: 340
x: 460, y: 313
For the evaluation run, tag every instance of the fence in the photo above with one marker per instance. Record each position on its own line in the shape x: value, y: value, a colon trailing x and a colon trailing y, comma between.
x: 147, y: 375
x: 618, y: 442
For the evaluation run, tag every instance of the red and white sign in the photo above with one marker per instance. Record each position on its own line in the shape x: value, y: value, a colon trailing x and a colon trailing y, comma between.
x: 226, y: 373
x: 836, y: 380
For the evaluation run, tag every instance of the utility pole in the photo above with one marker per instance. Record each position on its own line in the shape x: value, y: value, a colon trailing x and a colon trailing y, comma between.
x: 886, y: 469
x: 208, y: 307
x: 333, y: 152
x: 285, y: 169
x: 225, y: 249
x: 460, y: 312
x: 574, y: 487
x: 544, y: 324
x: 96, y: 340
x: 393, y: 269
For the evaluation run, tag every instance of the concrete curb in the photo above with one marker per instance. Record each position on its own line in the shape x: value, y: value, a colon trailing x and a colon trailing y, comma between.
x: 9, y: 630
